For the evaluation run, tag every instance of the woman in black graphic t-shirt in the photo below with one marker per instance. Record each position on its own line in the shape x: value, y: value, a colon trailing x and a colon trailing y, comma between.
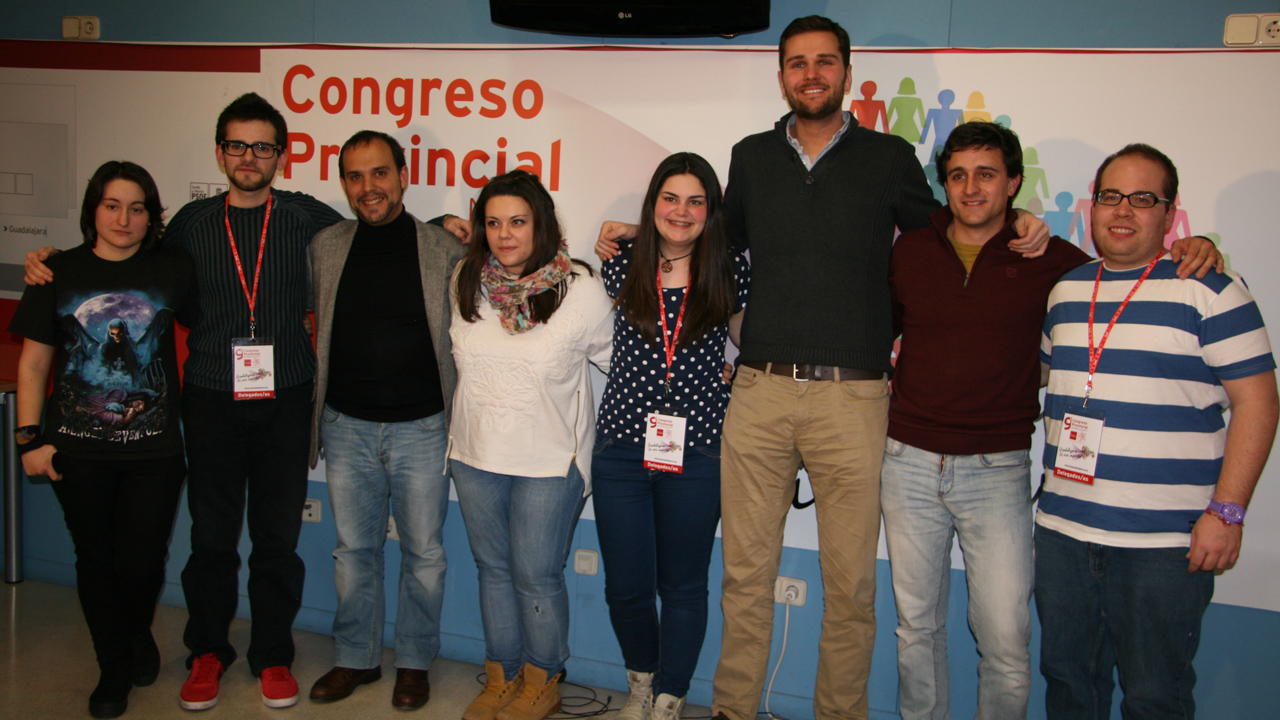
x: 110, y: 440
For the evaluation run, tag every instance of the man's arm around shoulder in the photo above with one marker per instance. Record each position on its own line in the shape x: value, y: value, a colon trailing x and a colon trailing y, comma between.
x: 445, y: 241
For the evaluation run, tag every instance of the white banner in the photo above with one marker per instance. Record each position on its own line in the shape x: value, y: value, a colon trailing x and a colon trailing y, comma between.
x: 594, y: 122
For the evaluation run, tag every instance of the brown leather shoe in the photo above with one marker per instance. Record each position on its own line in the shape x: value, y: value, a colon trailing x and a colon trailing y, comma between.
x: 341, y: 682
x: 412, y: 689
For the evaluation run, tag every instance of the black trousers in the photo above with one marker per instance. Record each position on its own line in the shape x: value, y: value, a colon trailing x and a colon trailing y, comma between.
x: 245, y: 454
x: 120, y: 514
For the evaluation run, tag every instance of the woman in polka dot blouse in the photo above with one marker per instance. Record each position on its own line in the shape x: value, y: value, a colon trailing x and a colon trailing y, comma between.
x: 679, y: 290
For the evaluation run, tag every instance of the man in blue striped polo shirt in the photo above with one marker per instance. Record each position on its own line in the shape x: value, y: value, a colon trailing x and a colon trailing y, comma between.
x: 1147, y: 480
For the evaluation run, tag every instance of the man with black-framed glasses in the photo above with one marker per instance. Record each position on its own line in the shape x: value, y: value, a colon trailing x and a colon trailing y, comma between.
x: 965, y: 401
x: 1147, y: 478
x: 246, y: 402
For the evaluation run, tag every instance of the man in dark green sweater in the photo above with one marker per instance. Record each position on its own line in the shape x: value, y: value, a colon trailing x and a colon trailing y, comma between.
x: 816, y: 200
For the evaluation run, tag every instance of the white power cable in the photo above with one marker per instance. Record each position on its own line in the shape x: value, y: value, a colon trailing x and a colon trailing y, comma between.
x: 786, y: 627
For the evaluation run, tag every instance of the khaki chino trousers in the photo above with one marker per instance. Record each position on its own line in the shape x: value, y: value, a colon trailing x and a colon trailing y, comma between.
x: 837, y: 428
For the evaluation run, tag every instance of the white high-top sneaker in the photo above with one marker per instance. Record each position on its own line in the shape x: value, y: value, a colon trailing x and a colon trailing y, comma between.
x: 641, y: 701
x: 667, y: 707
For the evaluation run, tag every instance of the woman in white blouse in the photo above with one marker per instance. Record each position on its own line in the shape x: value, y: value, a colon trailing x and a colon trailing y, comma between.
x: 527, y: 321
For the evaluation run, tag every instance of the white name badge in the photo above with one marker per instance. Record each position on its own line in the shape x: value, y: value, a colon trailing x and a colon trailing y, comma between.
x: 664, y: 442
x: 253, y: 368
x: 1078, y: 445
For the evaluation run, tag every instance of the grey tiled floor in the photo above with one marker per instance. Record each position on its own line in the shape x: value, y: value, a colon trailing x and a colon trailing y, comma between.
x: 47, y: 670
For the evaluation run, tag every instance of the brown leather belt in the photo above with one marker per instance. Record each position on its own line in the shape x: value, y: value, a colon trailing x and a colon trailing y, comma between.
x: 814, y: 372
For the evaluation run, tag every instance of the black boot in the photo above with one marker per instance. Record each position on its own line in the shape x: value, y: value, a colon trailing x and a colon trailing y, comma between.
x: 111, y: 698
x: 145, y: 666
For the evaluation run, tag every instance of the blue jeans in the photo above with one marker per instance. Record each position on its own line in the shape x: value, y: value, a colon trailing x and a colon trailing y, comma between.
x: 985, y: 500
x: 520, y: 530
x: 365, y: 464
x: 1102, y: 609
x: 657, y: 530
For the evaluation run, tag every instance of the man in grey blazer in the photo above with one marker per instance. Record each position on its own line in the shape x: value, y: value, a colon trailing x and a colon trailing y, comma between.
x: 384, y: 385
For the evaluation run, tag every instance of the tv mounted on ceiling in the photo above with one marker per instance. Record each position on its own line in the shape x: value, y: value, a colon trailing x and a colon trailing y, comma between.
x: 633, y: 18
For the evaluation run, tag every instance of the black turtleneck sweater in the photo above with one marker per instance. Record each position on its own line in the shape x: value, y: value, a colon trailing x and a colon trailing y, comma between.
x: 382, y: 366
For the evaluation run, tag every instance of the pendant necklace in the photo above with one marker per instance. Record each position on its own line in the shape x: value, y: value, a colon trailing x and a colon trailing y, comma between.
x: 666, y: 261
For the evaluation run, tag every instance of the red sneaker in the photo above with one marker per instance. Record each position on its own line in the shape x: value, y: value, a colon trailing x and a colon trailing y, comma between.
x: 200, y: 691
x: 279, y: 689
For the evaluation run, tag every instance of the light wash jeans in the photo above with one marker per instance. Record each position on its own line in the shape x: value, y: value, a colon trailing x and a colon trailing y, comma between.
x: 520, y: 530
x: 926, y: 499
x: 365, y: 464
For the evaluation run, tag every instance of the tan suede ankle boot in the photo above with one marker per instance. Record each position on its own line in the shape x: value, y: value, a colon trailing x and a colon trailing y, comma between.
x: 497, y: 693
x: 539, y: 697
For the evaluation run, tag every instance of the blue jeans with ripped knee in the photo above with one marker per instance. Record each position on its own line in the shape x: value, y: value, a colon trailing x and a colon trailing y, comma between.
x: 520, y: 530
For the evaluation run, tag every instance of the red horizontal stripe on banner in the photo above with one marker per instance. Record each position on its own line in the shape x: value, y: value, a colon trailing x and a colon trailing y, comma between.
x: 77, y: 55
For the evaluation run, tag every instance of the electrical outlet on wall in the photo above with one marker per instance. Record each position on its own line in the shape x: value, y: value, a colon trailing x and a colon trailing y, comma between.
x: 790, y: 591
x: 311, y: 510
x: 1251, y: 30
x: 1270, y: 34
x: 586, y: 562
x: 392, y: 532
x: 81, y: 27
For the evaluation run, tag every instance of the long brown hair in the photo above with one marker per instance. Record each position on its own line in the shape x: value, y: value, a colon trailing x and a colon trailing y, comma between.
x: 546, y: 243
x: 711, y: 288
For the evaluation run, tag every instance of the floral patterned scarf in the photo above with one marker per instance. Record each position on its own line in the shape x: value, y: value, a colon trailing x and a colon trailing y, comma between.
x: 510, y: 296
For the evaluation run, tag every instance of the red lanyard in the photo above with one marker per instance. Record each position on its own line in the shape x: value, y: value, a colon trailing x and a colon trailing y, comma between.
x: 670, y: 347
x: 262, y: 244
x: 1094, y: 355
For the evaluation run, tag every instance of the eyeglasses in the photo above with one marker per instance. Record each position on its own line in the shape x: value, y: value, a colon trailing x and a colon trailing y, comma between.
x: 1141, y: 200
x: 262, y: 150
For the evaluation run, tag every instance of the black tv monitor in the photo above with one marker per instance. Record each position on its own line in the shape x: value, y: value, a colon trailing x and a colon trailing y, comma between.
x: 633, y: 18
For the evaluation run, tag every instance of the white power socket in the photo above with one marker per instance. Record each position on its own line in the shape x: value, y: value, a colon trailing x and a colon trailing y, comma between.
x: 790, y: 591
x: 392, y: 532
x: 586, y: 562
x: 311, y: 510
x: 1251, y: 30
x: 81, y: 27
x: 1270, y: 34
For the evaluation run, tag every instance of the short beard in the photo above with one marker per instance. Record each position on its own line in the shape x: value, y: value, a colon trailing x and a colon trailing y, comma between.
x: 832, y: 106
x: 393, y: 213
x: 263, y: 181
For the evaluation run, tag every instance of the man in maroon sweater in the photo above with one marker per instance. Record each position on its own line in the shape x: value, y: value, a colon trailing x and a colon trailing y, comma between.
x: 964, y: 405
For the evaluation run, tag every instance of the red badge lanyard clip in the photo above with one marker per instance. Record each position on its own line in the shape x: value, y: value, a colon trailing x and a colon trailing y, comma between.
x: 262, y: 244
x: 1094, y: 355
x: 670, y: 347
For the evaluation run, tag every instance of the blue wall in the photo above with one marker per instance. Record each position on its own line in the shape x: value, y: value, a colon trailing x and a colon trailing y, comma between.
x: 1236, y: 664
x: 926, y: 23
x: 1239, y: 653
